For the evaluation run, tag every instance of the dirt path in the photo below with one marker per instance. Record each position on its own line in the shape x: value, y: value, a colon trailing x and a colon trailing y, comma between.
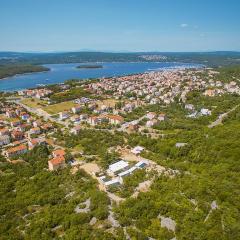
x: 221, y: 117
x: 115, y: 198
x: 90, y: 168
x: 111, y: 218
x: 142, y: 187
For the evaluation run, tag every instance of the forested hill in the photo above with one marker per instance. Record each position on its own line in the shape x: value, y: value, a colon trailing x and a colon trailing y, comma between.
x: 11, y: 70
x: 211, y: 59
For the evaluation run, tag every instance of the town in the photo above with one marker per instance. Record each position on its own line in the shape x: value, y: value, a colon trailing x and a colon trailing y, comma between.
x: 130, y: 108
x: 120, y: 120
x: 23, y: 126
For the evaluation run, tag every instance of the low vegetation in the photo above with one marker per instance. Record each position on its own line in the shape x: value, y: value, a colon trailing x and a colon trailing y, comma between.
x: 198, y: 194
x: 11, y: 70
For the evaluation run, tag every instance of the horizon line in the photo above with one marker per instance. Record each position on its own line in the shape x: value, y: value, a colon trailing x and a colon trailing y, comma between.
x: 112, y: 51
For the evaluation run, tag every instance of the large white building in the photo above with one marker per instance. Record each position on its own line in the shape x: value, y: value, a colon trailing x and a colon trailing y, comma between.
x: 115, y: 167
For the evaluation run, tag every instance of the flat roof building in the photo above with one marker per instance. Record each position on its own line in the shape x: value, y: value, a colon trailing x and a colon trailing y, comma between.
x: 115, y: 167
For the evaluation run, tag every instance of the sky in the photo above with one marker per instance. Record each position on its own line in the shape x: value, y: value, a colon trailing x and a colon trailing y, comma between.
x: 119, y: 25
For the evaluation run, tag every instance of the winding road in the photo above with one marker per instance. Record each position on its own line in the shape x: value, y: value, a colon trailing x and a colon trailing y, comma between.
x: 221, y: 117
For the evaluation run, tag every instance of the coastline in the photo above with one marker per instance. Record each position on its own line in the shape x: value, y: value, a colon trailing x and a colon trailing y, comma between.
x: 33, y: 83
x: 23, y: 74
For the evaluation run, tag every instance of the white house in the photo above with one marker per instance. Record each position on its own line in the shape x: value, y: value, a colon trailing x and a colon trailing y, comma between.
x: 63, y: 115
x: 141, y: 164
x: 162, y: 117
x: 83, y: 117
x: 151, y: 123
x: 75, y: 118
x: 76, y: 109
x: 189, y: 107
x: 115, y: 119
x: 113, y: 182
x: 127, y: 172
x: 35, y: 130
x: 205, y: 112
x: 137, y: 150
x: 151, y: 115
x: 95, y: 120
x: 115, y: 167
x: 75, y: 130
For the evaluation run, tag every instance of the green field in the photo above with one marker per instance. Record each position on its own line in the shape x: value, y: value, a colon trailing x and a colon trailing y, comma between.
x: 59, y: 107
x: 33, y: 102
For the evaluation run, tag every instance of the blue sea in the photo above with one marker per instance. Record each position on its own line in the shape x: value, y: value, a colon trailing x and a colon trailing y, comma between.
x: 62, y: 72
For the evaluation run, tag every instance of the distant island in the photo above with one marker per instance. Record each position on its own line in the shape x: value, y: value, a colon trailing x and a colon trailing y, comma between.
x: 209, y: 59
x: 90, y: 66
x: 12, y: 70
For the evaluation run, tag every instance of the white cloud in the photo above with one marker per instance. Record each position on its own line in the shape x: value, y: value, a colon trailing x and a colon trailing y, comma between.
x: 184, y: 25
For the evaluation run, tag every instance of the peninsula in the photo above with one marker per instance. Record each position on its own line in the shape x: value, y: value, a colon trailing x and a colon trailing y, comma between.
x: 11, y: 70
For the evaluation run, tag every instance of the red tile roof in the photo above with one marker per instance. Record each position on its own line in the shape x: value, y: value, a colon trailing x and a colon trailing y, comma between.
x: 115, y: 117
x: 17, y: 149
x: 59, y: 152
x: 57, y: 160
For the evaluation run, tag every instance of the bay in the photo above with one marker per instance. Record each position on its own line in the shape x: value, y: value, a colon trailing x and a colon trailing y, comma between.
x: 61, y: 72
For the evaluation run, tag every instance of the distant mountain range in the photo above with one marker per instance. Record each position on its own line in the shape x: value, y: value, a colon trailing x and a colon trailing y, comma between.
x: 212, y: 59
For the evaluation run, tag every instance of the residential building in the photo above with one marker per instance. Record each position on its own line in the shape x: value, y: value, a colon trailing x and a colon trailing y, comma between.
x: 115, y: 167
x: 137, y: 150
x: 162, y: 117
x: 75, y: 130
x: 63, y: 115
x: 151, y: 123
x: 11, y: 114
x: 205, y: 112
x: 36, y: 142
x: 4, y: 131
x: 46, y: 127
x: 58, y: 153
x: 56, y: 163
x: 17, y: 135
x: 21, y: 149
x: 115, y: 119
x: 15, y: 123
x: 37, y: 123
x: 190, y: 107
x: 151, y: 115
x: 75, y: 118
x: 35, y: 130
x: 133, y: 127
x: 4, y: 140
x: 95, y: 120
x: 77, y: 109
